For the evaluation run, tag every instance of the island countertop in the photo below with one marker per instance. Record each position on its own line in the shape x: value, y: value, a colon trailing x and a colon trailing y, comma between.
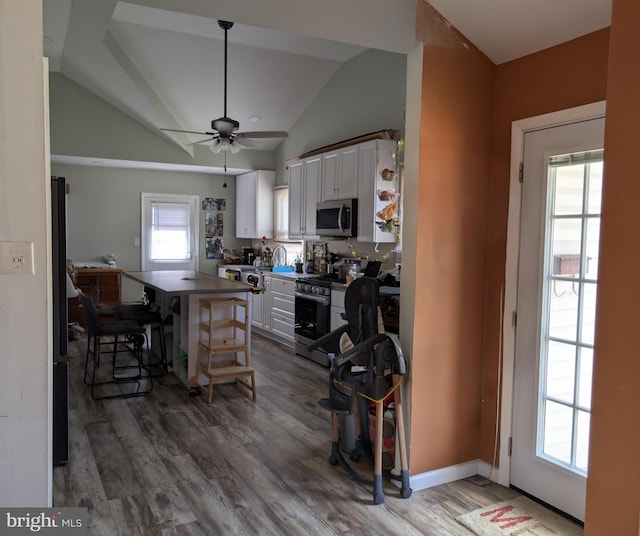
x: 187, y: 282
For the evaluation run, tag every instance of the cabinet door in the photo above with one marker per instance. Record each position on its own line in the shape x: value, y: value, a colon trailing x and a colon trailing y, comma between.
x: 263, y: 204
x: 257, y: 320
x: 246, y: 205
x: 347, y: 182
x: 297, y: 202
x: 312, y: 172
x: 330, y: 170
x: 266, y: 304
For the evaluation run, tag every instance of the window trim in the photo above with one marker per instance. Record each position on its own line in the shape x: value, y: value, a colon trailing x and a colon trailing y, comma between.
x: 146, y: 199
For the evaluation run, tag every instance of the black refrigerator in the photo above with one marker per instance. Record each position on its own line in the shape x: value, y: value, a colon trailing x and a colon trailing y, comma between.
x: 60, y: 322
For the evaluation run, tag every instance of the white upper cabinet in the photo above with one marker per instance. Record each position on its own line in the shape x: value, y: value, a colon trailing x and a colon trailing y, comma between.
x: 304, y: 185
x: 340, y: 174
x: 378, y: 191
x: 254, y: 204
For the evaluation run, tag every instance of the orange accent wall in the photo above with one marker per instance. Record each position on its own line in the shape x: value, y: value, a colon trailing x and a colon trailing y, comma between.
x: 453, y: 195
x: 564, y: 76
x: 613, y: 490
x: 468, y: 106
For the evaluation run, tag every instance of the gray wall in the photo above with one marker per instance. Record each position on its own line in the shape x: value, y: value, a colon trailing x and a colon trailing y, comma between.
x: 367, y: 94
x: 85, y: 125
x: 104, y: 211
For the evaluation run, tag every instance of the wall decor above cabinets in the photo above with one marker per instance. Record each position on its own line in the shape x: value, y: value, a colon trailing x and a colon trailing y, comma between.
x: 254, y: 204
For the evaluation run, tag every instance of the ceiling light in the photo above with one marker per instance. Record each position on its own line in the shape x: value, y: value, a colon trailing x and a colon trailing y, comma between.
x: 224, y: 144
x: 254, y: 118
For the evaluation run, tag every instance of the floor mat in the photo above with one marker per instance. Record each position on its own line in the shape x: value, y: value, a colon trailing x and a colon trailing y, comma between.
x: 518, y: 516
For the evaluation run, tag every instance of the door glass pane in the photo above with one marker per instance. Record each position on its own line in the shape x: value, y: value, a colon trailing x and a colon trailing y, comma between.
x: 595, y: 187
x: 588, y: 317
x: 561, y: 365
x: 592, y: 247
x: 568, y: 191
x: 584, y: 377
x: 582, y: 440
x: 568, y: 321
x: 563, y: 310
x: 558, y: 423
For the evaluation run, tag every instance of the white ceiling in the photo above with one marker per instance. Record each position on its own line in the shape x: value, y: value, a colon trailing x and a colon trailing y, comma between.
x: 161, y: 61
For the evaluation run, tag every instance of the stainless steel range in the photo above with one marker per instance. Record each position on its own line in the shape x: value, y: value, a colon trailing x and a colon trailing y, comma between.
x: 313, y: 316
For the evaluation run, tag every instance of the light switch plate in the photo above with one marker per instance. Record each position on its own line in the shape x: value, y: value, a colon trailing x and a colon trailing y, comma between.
x: 16, y: 258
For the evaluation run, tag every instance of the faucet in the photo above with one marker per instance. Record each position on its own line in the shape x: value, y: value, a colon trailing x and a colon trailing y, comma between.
x: 279, y: 250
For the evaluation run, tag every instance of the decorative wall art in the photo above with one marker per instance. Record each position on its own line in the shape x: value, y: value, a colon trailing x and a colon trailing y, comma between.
x: 214, y: 226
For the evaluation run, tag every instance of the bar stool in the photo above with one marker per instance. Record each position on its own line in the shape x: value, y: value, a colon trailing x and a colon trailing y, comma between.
x: 146, y: 315
x: 223, y: 330
x: 119, y: 336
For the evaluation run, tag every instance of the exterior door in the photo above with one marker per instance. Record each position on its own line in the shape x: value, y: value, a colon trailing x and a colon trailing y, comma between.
x: 557, y: 286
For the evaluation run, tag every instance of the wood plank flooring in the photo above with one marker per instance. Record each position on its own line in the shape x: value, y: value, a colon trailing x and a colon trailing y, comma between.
x: 168, y: 464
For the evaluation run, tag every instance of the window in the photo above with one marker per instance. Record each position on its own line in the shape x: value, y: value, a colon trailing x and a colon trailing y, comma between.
x: 169, y: 232
x: 281, y: 220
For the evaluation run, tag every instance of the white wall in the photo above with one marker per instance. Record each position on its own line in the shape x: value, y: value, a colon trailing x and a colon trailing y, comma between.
x: 25, y: 300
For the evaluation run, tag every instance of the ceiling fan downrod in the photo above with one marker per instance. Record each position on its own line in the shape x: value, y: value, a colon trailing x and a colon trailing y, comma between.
x: 226, y: 26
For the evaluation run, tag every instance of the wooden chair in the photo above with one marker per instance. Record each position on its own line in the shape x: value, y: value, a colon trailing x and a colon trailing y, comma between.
x: 224, y: 331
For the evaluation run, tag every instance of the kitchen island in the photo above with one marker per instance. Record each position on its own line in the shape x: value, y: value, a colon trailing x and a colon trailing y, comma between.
x: 178, y: 292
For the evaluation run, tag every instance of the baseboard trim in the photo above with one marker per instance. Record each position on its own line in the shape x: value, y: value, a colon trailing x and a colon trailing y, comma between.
x: 445, y: 474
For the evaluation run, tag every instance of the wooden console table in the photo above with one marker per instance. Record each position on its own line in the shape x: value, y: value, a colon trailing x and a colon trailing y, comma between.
x: 104, y: 285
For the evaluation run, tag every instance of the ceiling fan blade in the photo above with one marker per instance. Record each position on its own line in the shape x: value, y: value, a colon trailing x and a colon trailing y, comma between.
x: 203, y: 141
x: 190, y: 132
x: 263, y: 134
x: 246, y: 143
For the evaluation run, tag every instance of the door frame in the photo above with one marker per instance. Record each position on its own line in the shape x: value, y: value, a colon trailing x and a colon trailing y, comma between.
x: 510, y: 289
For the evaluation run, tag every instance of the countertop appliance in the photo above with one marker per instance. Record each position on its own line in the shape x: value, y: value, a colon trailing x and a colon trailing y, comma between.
x: 337, y: 218
x: 255, y: 279
x: 248, y: 255
x: 312, y: 316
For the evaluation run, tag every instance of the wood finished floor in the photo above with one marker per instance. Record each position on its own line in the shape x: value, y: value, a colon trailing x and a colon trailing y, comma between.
x: 169, y: 464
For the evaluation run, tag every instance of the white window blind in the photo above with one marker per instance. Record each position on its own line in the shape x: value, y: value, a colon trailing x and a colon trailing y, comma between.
x: 170, y: 236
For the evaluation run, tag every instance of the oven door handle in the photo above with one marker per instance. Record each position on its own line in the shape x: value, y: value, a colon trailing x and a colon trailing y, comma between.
x: 319, y: 299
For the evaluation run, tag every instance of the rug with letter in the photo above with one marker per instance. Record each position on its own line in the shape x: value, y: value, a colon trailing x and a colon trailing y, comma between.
x: 518, y: 517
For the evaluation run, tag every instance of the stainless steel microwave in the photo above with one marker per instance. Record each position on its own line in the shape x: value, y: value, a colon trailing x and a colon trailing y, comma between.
x: 337, y: 218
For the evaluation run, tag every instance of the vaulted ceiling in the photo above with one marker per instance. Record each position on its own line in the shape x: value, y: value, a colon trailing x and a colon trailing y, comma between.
x: 162, y: 61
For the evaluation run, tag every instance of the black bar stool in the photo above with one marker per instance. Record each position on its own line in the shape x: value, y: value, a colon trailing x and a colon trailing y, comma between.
x: 120, y: 336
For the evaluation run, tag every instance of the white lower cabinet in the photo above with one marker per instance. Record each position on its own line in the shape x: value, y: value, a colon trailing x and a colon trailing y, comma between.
x: 258, y: 312
x: 283, y: 312
x: 277, y: 308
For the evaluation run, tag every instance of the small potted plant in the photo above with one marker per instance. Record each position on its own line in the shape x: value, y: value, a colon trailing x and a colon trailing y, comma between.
x: 298, y: 263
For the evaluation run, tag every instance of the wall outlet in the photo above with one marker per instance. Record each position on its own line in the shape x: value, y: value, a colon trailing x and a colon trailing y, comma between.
x: 16, y: 258
x: 136, y: 242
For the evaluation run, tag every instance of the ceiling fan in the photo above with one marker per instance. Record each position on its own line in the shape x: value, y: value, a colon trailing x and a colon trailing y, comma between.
x: 224, y: 135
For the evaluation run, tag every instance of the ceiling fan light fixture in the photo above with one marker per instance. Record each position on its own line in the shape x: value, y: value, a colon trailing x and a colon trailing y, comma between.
x: 224, y: 144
